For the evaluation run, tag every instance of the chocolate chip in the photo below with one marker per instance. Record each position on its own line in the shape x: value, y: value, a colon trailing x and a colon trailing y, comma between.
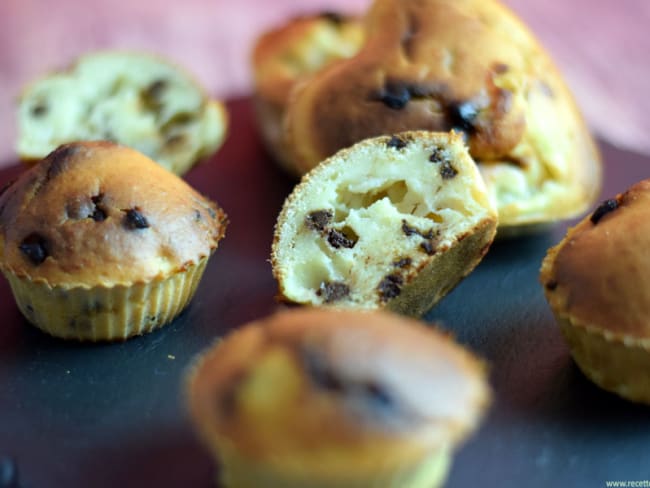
x: 437, y: 156
x: 378, y: 395
x: 338, y: 239
x: 29, y: 308
x: 155, y: 90
x: 429, y: 247
x: 395, y: 95
x: 135, y: 220
x: 409, y: 231
x: 333, y: 17
x: 197, y: 215
x: 58, y: 160
x: 396, y: 142
x: 212, y: 213
x: 500, y: 68
x: 35, y: 248
x: 447, y: 171
x: 175, y: 140
x: 8, y: 473
x: 98, y: 214
x: 390, y: 287
x: 318, y: 220
x: 461, y: 115
x: 403, y: 263
x: 320, y: 374
x: 332, y: 291
x: 39, y: 110
x: 551, y: 285
x: 604, y: 208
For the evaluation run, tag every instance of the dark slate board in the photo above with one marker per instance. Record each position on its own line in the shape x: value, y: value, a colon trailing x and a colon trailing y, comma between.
x: 112, y: 415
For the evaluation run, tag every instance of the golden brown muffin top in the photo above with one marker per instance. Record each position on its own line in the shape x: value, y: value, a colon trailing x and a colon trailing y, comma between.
x: 599, y: 275
x: 309, y: 378
x: 100, y: 214
x: 469, y: 65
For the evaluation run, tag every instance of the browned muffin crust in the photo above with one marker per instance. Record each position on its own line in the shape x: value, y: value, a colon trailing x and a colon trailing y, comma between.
x: 100, y: 214
x: 599, y: 276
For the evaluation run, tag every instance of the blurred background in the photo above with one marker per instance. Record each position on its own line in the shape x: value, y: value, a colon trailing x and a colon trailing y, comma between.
x: 602, y: 47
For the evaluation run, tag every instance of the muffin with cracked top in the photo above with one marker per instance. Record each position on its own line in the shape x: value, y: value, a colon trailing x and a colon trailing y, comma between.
x: 597, y: 282
x: 326, y: 398
x: 98, y: 242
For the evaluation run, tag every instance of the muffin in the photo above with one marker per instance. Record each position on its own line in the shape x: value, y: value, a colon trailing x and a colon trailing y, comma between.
x: 285, y: 54
x: 596, y: 281
x: 469, y: 65
x: 395, y: 221
x: 138, y: 100
x: 98, y: 242
x: 326, y: 398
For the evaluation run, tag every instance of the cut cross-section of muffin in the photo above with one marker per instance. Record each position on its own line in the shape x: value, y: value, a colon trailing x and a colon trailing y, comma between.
x: 395, y: 221
x: 137, y: 100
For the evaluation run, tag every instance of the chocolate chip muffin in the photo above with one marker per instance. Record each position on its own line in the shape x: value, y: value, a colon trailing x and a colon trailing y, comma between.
x: 98, y: 242
x: 597, y: 281
x: 138, y: 100
x: 285, y: 54
x: 395, y: 221
x: 469, y: 65
x: 346, y: 399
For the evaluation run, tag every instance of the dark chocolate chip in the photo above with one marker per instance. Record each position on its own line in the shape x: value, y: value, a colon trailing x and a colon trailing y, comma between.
x: 39, y: 110
x: 395, y: 95
x: 320, y: 374
x: 500, y: 68
x: 551, y: 285
x: 333, y: 17
x: 409, y: 231
x: 135, y: 220
x: 437, y: 156
x: 332, y: 291
x: 175, y: 140
x: 318, y: 220
x: 197, y: 215
x: 390, y: 287
x: 155, y: 90
x: 58, y: 160
x: 35, y: 248
x: 403, y: 263
x: 29, y: 308
x: 447, y: 171
x: 213, y: 214
x: 98, y: 214
x: 461, y: 115
x: 378, y: 395
x: 396, y: 142
x: 338, y: 239
x: 603, y: 209
x: 8, y: 473
x: 429, y: 247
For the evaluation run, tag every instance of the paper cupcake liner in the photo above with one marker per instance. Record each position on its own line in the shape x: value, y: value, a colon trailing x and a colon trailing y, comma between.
x: 105, y: 313
x: 616, y: 364
x: 237, y: 471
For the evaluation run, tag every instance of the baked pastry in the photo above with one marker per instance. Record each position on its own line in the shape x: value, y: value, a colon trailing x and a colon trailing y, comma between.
x: 596, y: 281
x: 293, y: 50
x: 395, y: 221
x: 98, y: 242
x: 324, y: 398
x: 138, y: 100
x: 469, y: 65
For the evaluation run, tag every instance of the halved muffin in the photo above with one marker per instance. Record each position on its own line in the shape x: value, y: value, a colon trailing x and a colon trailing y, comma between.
x: 135, y: 99
x: 395, y: 221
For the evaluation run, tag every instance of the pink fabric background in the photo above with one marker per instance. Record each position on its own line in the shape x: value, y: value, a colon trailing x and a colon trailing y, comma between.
x: 602, y: 46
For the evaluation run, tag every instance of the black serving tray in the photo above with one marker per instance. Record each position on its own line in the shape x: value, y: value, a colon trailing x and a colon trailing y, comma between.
x: 113, y: 415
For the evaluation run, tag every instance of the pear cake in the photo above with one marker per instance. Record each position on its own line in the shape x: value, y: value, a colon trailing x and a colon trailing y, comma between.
x: 137, y: 100
x: 394, y: 221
